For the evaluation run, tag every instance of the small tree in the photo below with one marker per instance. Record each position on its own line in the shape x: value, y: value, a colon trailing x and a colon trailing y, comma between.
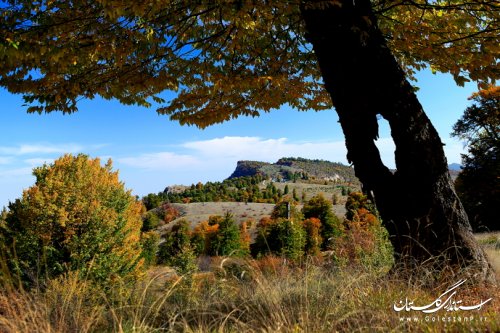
x: 168, y: 213
x: 289, y: 237
x: 335, y: 199
x: 77, y: 217
x: 176, y: 250
x: 227, y: 239
x: 149, y: 242
x: 281, y: 237
x: 245, y: 238
x: 365, y: 241
x: 356, y: 201
x: 312, y: 227
x: 176, y: 241
x: 152, y: 201
x: 321, y: 209
x: 203, y: 236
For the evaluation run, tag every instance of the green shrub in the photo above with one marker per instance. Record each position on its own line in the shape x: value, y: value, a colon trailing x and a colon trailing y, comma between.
x: 320, y: 208
x: 175, y: 241
x: 365, y: 241
x: 150, y: 221
x: 281, y: 237
x: 227, y: 240
x: 150, y: 245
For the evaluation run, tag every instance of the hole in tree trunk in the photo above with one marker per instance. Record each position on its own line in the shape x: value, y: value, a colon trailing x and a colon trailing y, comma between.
x: 385, y: 144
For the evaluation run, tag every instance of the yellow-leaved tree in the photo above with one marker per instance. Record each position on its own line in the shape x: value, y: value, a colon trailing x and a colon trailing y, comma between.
x: 76, y: 217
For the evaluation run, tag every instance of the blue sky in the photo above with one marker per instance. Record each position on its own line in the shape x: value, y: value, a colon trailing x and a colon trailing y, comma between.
x: 152, y: 152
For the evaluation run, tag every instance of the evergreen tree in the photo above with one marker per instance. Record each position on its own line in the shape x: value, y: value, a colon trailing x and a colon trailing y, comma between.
x: 320, y: 208
x: 227, y: 241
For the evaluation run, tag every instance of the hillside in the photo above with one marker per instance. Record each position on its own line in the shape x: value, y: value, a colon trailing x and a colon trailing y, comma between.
x: 197, y: 212
x: 262, y: 182
x: 296, y: 169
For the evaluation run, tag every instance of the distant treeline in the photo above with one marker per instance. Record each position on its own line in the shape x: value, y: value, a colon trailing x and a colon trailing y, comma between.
x: 241, y: 189
x: 257, y: 188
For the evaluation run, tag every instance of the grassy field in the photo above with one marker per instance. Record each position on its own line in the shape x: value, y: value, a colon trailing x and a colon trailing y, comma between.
x: 200, y: 211
x: 267, y: 295
x: 491, y: 244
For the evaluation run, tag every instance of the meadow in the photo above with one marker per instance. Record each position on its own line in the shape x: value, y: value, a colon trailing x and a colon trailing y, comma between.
x: 258, y: 295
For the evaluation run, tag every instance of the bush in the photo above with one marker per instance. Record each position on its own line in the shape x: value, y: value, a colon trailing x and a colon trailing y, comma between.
x: 176, y: 250
x: 77, y: 217
x: 150, y: 221
x: 320, y: 208
x: 176, y: 240
x: 203, y: 236
x: 281, y: 237
x: 150, y: 245
x: 167, y: 213
x: 227, y: 240
x: 312, y: 227
x: 365, y: 241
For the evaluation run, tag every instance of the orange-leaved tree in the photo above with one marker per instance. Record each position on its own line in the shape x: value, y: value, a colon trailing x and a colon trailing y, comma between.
x: 76, y: 217
x: 228, y: 58
x: 363, y: 241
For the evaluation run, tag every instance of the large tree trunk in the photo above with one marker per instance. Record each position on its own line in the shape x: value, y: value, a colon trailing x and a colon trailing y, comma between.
x: 417, y: 202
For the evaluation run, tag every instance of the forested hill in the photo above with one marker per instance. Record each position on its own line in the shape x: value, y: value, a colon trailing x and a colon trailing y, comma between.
x: 294, y: 169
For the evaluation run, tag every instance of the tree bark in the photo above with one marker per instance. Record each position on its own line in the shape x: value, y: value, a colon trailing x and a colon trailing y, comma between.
x: 417, y: 202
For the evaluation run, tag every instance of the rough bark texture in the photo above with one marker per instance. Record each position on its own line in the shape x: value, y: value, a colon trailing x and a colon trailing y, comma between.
x: 417, y: 203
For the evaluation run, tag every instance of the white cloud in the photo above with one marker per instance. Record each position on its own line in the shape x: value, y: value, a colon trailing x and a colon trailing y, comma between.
x: 255, y: 148
x: 159, y: 161
x: 47, y: 148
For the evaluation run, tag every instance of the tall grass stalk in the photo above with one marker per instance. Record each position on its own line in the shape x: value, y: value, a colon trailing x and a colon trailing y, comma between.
x: 237, y: 296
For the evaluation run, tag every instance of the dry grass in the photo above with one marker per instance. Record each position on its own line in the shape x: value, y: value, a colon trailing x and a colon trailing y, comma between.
x: 491, y: 244
x: 197, y: 212
x: 268, y: 295
x: 200, y: 211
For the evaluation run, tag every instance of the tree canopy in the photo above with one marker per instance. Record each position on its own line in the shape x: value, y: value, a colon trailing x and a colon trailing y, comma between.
x: 224, y: 58
x: 478, y: 185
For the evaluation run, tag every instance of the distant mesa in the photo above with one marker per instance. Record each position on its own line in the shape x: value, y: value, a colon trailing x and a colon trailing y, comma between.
x: 290, y: 168
x: 297, y: 168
